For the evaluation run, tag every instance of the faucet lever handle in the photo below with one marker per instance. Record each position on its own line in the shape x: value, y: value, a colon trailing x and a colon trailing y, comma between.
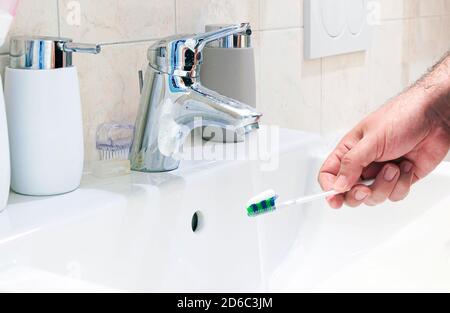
x: 198, y: 42
x: 181, y: 55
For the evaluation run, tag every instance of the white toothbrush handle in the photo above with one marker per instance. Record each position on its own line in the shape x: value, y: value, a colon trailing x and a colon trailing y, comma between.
x: 320, y: 196
x: 308, y: 199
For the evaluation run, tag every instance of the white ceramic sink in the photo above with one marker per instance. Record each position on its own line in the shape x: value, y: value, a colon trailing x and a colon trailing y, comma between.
x: 134, y: 233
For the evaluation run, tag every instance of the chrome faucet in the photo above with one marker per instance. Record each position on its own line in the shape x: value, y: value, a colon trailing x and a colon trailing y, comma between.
x: 173, y: 98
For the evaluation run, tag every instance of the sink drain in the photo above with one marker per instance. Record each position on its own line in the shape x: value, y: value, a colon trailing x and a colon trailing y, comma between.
x: 197, y: 222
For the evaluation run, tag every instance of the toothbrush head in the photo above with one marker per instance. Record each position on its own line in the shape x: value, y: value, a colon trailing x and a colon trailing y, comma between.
x: 262, y: 204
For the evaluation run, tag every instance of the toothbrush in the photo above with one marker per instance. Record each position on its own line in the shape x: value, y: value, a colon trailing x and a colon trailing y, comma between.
x: 266, y: 202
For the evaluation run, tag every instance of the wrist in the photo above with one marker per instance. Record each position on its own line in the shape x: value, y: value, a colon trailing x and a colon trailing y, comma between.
x: 441, y: 111
x: 434, y: 90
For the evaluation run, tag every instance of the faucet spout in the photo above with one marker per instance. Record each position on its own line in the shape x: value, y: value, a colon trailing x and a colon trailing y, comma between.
x: 168, y: 114
x: 219, y: 110
x: 173, y: 101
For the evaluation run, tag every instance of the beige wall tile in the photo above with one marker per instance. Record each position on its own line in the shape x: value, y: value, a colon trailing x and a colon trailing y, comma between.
x: 345, y: 91
x: 193, y: 15
x: 445, y: 36
x: 391, y: 9
x: 426, y: 43
x: 290, y: 87
x: 281, y: 14
x: 433, y: 7
x: 117, y: 20
x: 446, y: 7
x: 411, y: 8
x: 34, y: 17
x: 109, y: 88
x: 386, y: 63
x: 398, y: 9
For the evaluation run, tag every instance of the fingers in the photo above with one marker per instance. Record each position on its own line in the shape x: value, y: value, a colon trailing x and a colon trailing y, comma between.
x: 393, y: 182
x: 372, y: 171
x: 384, y: 185
x: 336, y: 202
x: 357, y: 195
x: 354, y: 158
x: 327, y: 182
x: 404, y: 183
x: 354, y: 162
x: 332, y: 166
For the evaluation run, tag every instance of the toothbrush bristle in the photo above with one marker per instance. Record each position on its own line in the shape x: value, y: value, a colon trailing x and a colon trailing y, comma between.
x: 263, y: 207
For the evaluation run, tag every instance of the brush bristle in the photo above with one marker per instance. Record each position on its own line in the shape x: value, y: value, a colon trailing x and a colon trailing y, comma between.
x: 262, y: 204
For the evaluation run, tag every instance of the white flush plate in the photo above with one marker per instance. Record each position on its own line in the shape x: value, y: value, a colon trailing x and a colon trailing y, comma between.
x: 335, y: 27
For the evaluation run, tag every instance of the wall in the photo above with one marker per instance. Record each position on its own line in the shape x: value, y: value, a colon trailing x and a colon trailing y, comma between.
x: 321, y: 95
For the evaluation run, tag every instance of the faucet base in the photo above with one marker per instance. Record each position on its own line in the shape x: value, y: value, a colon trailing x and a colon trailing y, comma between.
x: 154, y: 171
x: 158, y: 165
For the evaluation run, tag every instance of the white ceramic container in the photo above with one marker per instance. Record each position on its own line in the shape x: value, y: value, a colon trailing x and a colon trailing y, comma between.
x: 45, y: 130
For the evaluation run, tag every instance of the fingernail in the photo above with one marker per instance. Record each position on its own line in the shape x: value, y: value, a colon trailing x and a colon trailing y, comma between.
x: 390, y: 174
x: 341, y: 183
x: 407, y: 167
x: 360, y: 195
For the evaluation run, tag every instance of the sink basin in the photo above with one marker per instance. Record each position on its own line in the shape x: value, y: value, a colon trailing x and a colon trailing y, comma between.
x: 188, y: 231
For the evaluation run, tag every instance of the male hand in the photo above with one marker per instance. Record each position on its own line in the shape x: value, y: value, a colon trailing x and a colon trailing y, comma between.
x: 398, y: 145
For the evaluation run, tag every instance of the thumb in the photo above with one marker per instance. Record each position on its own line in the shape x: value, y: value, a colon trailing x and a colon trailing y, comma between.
x: 354, y: 162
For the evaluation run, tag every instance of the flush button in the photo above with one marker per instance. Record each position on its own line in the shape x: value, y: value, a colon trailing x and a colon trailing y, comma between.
x: 356, y: 14
x: 333, y: 17
x: 335, y: 27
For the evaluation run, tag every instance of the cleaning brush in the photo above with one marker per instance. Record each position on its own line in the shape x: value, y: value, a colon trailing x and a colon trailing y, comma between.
x: 266, y: 202
x: 114, y: 141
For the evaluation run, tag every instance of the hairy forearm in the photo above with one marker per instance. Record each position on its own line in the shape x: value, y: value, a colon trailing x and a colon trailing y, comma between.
x: 434, y: 89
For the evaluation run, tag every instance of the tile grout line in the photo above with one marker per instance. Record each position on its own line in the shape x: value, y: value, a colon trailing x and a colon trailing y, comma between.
x: 279, y: 29
x: 260, y: 52
x: 259, y: 15
x: 58, y: 17
x: 321, y: 97
x: 176, y: 16
x: 409, y: 18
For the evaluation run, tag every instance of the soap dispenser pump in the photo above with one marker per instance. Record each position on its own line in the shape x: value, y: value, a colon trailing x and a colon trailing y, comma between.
x: 7, y: 13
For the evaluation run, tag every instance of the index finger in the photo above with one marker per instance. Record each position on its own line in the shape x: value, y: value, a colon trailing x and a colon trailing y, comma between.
x: 327, y: 178
x: 329, y: 171
x: 332, y: 166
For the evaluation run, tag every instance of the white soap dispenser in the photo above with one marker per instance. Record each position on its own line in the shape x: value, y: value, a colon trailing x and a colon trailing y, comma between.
x: 43, y: 107
x: 7, y: 13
